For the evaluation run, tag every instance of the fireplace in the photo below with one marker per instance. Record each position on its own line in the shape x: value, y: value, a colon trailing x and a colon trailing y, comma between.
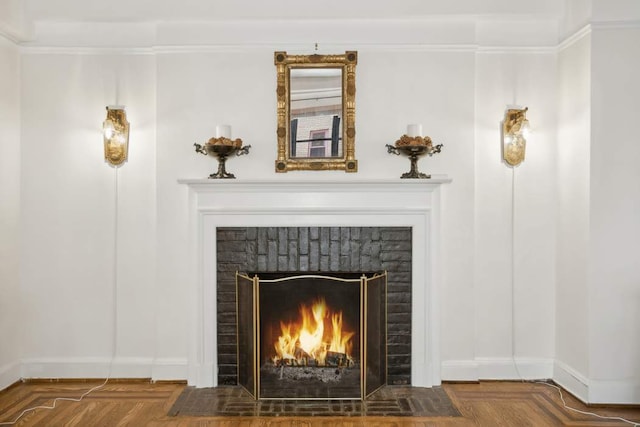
x: 341, y: 252
x: 213, y: 205
x: 311, y: 336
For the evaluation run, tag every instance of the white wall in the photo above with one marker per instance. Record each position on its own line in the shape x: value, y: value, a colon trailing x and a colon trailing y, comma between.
x: 442, y: 89
x: 514, y: 233
x: 445, y: 91
x: 574, y: 140
x: 598, y: 284
x: 68, y: 212
x: 196, y: 91
x: 437, y: 90
x: 430, y: 72
x: 614, y: 276
x: 11, y: 302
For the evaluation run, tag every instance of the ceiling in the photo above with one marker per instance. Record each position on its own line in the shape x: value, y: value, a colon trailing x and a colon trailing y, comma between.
x: 155, y: 23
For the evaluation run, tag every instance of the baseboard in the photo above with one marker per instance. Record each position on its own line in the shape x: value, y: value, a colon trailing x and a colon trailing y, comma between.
x: 89, y: 367
x: 514, y: 369
x: 459, y: 370
x: 624, y: 392
x: 571, y: 380
x: 170, y: 369
x: 9, y: 374
x: 596, y: 392
x: 176, y: 369
x: 494, y: 368
x: 167, y: 369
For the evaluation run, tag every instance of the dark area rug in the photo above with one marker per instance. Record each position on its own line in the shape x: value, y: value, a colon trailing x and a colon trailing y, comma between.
x: 397, y: 401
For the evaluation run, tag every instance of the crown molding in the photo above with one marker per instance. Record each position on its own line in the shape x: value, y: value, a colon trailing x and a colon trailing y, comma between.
x: 574, y: 38
x: 469, y: 34
x: 517, y: 49
x: 615, y: 25
x: 425, y: 34
x: 10, y: 35
x: 55, y: 50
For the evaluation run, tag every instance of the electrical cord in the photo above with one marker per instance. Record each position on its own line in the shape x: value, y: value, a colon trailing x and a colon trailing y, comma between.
x: 593, y: 414
x: 115, y: 322
x: 513, y: 317
x: 55, y: 401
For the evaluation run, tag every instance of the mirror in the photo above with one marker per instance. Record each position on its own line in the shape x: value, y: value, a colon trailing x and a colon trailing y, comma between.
x: 316, y: 112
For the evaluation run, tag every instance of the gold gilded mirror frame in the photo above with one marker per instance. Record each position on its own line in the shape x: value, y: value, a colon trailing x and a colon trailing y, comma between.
x: 347, y: 63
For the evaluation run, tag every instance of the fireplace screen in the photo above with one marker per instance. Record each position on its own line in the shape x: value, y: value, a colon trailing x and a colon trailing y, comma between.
x: 311, y: 336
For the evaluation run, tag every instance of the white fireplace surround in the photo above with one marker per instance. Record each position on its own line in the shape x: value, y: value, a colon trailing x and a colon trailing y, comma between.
x: 322, y: 203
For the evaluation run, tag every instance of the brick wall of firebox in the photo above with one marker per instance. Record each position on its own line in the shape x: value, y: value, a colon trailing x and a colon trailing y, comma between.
x: 317, y: 250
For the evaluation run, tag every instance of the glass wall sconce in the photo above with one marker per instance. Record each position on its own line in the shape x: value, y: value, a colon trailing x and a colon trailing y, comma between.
x: 515, y: 131
x: 116, y: 136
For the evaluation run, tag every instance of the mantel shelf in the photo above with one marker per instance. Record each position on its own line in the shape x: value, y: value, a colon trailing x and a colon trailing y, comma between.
x: 309, y: 185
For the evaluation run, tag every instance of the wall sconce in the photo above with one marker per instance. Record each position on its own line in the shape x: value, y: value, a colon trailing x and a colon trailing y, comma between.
x: 515, y: 131
x: 116, y: 136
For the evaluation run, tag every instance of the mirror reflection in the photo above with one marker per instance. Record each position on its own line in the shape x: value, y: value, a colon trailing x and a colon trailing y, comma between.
x: 316, y: 112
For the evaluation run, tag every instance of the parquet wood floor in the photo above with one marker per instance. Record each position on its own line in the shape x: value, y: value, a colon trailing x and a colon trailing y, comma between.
x: 139, y: 403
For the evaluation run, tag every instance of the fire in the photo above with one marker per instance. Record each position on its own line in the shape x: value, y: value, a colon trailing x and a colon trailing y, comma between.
x: 317, y: 338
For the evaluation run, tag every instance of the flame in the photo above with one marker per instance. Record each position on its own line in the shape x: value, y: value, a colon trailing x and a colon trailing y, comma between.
x: 304, y: 342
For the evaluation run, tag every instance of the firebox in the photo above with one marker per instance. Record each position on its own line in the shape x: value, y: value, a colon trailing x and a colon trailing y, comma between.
x: 311, y: 336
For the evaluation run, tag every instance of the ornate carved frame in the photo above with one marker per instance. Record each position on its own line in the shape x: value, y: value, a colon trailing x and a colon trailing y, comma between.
x: 347, y: 62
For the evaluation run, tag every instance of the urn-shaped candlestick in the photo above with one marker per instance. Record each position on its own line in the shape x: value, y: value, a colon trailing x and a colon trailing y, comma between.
x: 221, y: 148
x: 414, y: 147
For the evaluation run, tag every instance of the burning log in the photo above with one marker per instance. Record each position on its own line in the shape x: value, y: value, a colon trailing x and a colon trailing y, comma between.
x: 318, y: 339
x: 336, y: 359
x: 300, y: 354
x: 302, y: 360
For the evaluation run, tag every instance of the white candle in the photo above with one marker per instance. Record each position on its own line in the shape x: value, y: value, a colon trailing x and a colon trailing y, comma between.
x: 223, y: 131
x: 414, y: 130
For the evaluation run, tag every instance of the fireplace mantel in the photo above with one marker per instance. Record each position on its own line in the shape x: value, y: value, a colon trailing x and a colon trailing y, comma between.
x: 310, y: 203
x: 364, y: 185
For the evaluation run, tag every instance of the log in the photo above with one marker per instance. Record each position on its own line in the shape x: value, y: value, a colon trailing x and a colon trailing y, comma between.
x: 336, y: 359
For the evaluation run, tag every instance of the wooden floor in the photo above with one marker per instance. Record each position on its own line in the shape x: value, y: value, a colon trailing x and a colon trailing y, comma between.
x: 143, y: 404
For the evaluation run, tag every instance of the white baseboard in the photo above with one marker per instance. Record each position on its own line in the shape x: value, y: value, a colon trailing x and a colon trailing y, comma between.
x: 87, y: 367
x: 514, y: 369
x: 571, y: 380
x: 459, y: 370
x: 122, y: 367
x: 625, y: 392
x: 497, y: 368
x: 614, y: 392
x: 9, y: 374
x: 168, y: 369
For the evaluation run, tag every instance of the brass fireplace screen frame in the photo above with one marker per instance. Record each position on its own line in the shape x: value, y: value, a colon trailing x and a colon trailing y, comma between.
x: 373, y: 294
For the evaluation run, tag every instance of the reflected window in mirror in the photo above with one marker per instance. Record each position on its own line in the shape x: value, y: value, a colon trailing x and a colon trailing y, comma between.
x: 316, y: 112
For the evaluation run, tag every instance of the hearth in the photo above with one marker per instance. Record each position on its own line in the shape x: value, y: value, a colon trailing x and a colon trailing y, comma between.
x: 311, y: 336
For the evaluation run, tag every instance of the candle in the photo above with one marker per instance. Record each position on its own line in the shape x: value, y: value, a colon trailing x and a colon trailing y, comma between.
x: 414, y: 130
x: 223, y: 131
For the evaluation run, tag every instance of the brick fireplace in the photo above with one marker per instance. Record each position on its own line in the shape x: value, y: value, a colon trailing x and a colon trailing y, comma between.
x: 391, y: 205
x: 347, y: 251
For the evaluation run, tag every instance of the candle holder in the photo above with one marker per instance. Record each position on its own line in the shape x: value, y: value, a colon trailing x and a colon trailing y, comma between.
x: 221, y: 148
x: 414, y: 147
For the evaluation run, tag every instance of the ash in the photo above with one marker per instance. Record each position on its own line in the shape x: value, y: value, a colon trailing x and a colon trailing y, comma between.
x: 324, y: 374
